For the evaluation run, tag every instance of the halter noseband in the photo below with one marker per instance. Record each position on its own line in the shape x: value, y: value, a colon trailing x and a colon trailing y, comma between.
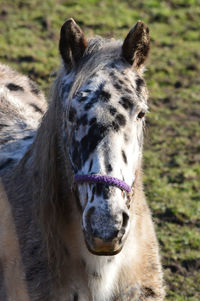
x: 102, y: 179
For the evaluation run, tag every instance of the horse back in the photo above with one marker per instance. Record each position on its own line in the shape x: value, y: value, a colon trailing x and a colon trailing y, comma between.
x: 22, y: 106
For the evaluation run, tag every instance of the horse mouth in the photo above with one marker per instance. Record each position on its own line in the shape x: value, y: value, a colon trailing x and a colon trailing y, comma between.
x: 99, y: 247
x: 104, y: 252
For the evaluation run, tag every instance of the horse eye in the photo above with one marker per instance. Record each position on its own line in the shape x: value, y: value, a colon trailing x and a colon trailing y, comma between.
x: 141, y: 114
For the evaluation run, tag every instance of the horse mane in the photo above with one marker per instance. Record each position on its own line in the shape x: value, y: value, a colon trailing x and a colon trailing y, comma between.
x: 51, y: 180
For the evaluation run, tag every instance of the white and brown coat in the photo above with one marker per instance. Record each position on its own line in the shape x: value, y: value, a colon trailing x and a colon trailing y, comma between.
x: 46, y: 246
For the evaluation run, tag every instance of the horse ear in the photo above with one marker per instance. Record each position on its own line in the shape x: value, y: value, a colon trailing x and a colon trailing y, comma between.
x: 136, y: 45
x: 72, y: 43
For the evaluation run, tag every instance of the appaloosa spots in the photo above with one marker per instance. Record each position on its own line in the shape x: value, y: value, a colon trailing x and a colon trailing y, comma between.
x: 124, y: 156
x: 90, y: 141
x: 14, y: 87
x: 90, y: 167
x: 92, y: 121
x: 112, y: 110
x: 88, y: 106
x: 72, y: 114
x: 121, y: 120
x: 126, y: 102
x: 34, y: 88
x: 109, y: 167
x: 83, y: 120
x: 36, y: 108
x: 139, y: 84
x: 148, y: 292
x: 6, y: 163
x: 104, y: 96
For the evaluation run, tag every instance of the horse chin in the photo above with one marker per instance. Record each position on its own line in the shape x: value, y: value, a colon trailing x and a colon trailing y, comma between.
x: 104, y: 253
x: 98, y: 248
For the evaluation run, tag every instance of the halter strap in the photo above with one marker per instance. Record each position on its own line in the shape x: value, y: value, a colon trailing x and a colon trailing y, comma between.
x: 102, y: 179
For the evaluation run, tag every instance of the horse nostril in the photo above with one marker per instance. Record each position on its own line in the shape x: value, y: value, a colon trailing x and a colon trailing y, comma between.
x: 125, y: 218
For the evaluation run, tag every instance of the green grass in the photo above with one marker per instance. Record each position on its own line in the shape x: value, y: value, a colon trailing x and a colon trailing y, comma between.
x: 29, y: 33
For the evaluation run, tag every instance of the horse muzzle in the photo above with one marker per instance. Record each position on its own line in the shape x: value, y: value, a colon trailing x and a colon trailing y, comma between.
x: 105, y: 235
x: 99, y: 247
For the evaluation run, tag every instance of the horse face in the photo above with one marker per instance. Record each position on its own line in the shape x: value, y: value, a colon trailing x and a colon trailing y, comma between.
x: 104, y: 126
x: 107, y: 140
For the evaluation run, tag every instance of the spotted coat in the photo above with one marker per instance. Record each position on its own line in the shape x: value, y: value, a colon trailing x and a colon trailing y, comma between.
x: 62, y: 240
x: 22, y: 106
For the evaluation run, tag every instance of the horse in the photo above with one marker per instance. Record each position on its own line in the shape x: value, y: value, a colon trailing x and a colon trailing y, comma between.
x: 75, y: 224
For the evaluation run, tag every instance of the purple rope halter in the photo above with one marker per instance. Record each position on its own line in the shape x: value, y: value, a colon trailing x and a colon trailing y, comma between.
x: 102, y: 179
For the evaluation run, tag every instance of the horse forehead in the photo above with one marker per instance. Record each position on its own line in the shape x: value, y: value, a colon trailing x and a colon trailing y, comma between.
x: 117, y: 80
x: 110, y: 92
x: 105, y: 102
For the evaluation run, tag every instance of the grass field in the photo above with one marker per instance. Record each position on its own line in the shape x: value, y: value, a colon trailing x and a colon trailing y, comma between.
x: 29, y: 33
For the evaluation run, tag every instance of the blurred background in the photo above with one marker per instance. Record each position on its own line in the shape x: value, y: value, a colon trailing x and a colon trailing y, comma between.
x: 29, y: 34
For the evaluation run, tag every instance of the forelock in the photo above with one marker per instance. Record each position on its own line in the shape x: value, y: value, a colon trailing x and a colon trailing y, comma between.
x: 99, y: 53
